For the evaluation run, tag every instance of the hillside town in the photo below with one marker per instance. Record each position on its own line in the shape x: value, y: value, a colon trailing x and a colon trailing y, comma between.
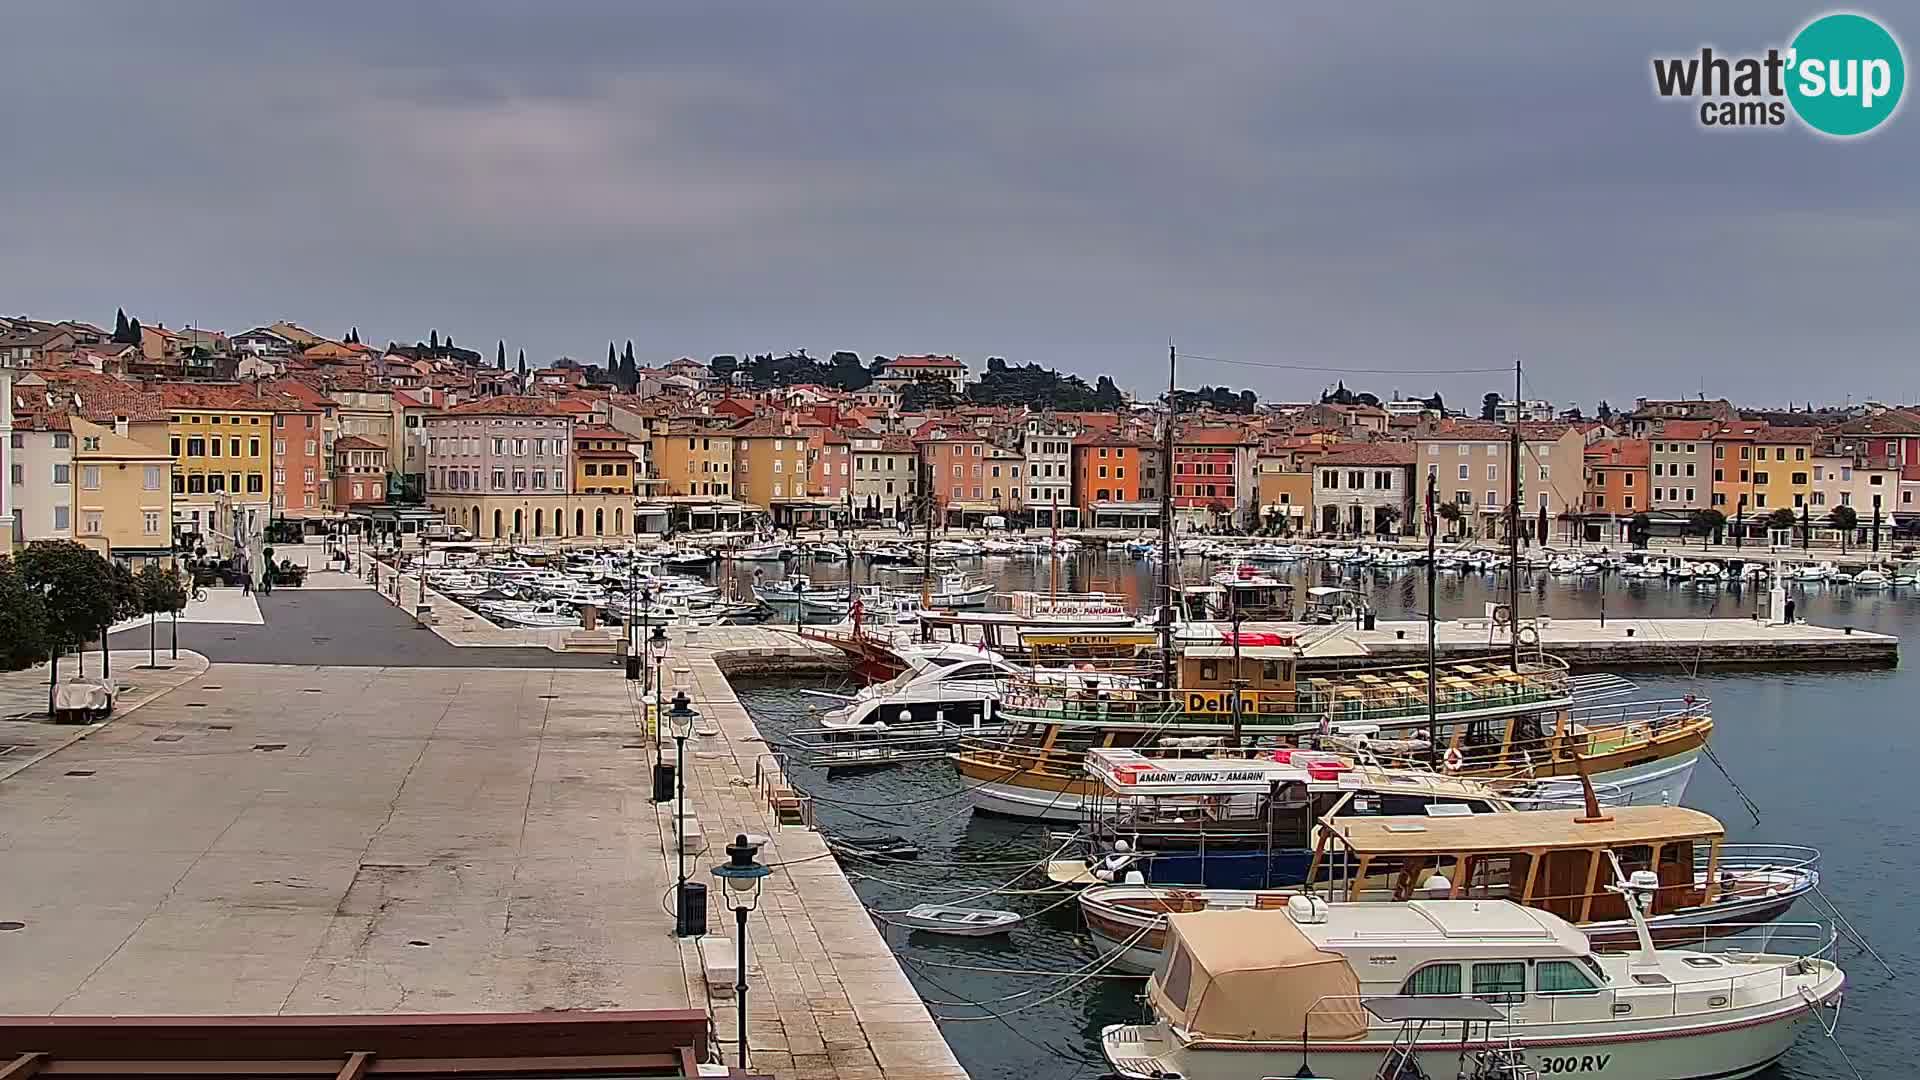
x: 138, y: 440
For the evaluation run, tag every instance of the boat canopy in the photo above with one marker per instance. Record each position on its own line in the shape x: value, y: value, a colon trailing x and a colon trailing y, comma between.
x: 1445, y: 1010
x: 1534, y: 830
x: 1253, y: 975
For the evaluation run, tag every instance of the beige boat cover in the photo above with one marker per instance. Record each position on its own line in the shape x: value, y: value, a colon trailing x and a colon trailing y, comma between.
x: 1253, y: 975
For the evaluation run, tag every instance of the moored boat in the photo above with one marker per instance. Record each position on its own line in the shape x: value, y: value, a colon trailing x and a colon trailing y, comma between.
x: 1319, y: 991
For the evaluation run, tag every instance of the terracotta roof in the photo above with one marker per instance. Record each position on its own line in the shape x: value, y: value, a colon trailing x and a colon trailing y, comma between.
x: 761, y: 427
x: 1485, y: 431
x: 355, y: 442
x: 1619, y: 453
x: 1765, y: 433
x: 301, y: 391
x: 924, y: 362
x: 597, y: 431
x: 508, y: 405
x: 1891, y: 422
x: 43, y: 420
x: 1213, y: 436
x: 407, y: 401
x: 1382, y: 453
x: 212, y: 396
x: 1685, y: 429
x: 104, y: 398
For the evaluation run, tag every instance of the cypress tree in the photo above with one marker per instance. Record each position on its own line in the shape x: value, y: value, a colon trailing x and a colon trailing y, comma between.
x: 120, y: 324
x: 613, y: 365
x: 523, y: 366
x: 133, y: 331
x: 500, y: 355
x: 433, y: 340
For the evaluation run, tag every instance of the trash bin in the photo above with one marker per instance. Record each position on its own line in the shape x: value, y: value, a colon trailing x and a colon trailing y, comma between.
x: 690, y: 917
x: 662, y: 783
x: 633, y: 666
x: 1369, y: 619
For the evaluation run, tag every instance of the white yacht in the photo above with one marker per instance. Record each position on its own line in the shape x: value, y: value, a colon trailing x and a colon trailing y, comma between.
x: 935, y: 688
x: 1336, y: 991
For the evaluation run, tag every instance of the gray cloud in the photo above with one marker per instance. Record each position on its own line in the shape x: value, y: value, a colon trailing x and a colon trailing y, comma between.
x: 1388, y: 185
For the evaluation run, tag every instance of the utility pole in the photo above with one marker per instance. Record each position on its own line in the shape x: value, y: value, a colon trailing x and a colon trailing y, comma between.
x: 1513, y: 529
x: 1166, y: 531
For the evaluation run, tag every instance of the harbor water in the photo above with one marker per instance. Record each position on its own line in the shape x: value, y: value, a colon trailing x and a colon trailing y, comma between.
x: 1822, y: 753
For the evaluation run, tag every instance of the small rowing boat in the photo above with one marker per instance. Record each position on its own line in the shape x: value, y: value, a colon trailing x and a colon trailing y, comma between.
x: 958, y: 921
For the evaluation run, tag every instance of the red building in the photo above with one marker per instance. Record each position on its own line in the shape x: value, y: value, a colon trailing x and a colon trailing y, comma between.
x: 359, y: 472
x: 1213, y: 475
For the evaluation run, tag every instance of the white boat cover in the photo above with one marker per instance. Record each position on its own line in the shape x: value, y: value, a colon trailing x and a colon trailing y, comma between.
x: 1249, y: 975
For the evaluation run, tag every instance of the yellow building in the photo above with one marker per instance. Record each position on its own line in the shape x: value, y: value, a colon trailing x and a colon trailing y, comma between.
x: 769, y: 464
x: 694, y: 459
x: 602, y: 464
x: 221, y: 440
x: 122, y: 493
x: 1759, y: 468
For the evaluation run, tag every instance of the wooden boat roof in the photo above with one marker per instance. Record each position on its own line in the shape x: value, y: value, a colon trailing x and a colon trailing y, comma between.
x: 1523, y: 831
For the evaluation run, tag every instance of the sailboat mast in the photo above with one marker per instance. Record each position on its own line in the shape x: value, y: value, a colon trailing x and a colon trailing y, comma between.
x: 1433, y: 644
x: 1166, y: 530
x: 1513, y: 528
x: 1053, y: 548
x: 926, y: 546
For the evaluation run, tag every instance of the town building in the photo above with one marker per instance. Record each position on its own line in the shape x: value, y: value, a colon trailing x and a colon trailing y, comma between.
x: 1469, y: 461
x: 770, y: 471
x: 1213, y: 475
x: 1680, y: 455
x: 1619, y: 486
x: 1004, y: 482
x: 359, y: 473
x: 1110, y: 483
x: 603, y: 465
x: 903, y: 371
x: 1046, y: 441
x: 886, y: 471
x: 1759, y: 468
x: 220, y: 436
x: 1365, y: 490
x: 502, y: 468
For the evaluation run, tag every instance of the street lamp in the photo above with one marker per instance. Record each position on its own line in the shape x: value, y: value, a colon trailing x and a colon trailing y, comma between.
x: 679, y: 723
x: 657, y: 648
x: 742, y: 874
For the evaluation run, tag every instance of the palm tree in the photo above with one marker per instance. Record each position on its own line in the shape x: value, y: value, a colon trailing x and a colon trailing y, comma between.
x: 1846, y: 519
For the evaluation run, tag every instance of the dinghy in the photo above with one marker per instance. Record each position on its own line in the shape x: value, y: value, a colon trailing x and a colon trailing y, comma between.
x: 959, y: 921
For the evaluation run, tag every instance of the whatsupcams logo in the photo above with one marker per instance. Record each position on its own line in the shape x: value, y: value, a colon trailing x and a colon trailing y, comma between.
x: 1842, y: 76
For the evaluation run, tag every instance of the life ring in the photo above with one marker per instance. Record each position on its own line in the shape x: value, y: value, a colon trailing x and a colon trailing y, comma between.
x: 1455, y: 760
x: 1529, y: 636
x: 1502, y: 613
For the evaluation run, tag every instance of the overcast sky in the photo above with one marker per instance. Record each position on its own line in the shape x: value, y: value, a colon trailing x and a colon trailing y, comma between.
x: 1341, y: 185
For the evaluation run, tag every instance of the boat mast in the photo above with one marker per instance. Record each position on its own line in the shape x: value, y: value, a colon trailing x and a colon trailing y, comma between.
x: 1433, y: 690
x: 1513, y: 528
x: 1166, y: 531
x: 1053, y: 547
x: 926, y: 547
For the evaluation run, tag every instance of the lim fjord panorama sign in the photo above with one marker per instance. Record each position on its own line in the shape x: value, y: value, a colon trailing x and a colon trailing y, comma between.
x: 1842, y: 75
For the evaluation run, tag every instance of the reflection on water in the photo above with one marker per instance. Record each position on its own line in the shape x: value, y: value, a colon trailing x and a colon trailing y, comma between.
x: 1822, y: 752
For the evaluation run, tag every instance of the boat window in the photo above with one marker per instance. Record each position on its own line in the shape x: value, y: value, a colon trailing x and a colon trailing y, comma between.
x: 1493, y: 877
x: 1176, y: 978
x: 1209, y: 671
x: 970, y: 671
x: 1504, y: 982
x: 1562, y: 977
x: 1434, y: 980
x: 1637, y: 857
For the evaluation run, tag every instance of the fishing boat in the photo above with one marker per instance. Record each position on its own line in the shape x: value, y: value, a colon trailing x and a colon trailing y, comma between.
x: 768, y: 552
x: 827, y: 552
x: 795, y: 586
x: 1324, y: 989
x: 688, y: 559
x: 1490, y: 721
x: 1554, y: 860
x: 957, y: 921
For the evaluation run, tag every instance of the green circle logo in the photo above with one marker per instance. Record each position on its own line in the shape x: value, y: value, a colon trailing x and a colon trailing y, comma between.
x: 1846, y: 75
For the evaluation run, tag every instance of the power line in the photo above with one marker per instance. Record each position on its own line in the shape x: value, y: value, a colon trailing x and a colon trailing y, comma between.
x: 1344, y: 369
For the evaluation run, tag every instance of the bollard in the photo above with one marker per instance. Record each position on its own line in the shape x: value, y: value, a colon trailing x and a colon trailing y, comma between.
x: 1629, y: 631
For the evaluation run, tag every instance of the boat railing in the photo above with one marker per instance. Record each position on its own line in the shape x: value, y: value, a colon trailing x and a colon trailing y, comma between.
x: 1657, y: 711
x: 1708, y: 996
x: 1738, y: 859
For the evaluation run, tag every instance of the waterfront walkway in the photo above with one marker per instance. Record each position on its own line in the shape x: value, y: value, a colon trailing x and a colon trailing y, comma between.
x: 302, y: 828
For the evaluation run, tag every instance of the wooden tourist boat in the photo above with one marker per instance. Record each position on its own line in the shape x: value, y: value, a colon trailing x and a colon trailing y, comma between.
x: 1559, y: 861
x: 1493, y: 721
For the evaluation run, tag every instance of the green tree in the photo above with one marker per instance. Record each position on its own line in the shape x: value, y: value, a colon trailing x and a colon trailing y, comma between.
x: 723, y: 366
x: 523, y: 369
x: 79, y: 592
x: 1639, y: 528
x: 926, y: 394
x: 120, y: 325
x: 125, y: 593
x: 500, y: 355
x: 1707, y: 523
x: 1450, y: 513
x: 1846, y: 519
x: 1490, y: 407
x: 133, y: 332
x: 433, y: 340
x: 160, y: 593
x: 23, y: 620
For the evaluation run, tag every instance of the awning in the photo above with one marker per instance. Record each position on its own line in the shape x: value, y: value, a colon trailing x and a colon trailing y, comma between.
x: 1253, y: 975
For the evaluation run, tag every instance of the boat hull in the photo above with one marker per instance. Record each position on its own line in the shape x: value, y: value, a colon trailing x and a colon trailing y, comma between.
x: 1038, y: 797
x: 1739, y: 1044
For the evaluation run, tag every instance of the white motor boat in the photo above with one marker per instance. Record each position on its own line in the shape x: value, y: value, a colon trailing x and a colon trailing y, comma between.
x: 796, y: 586
x: 957, y: 549
x: 1340, y: 991
x: 770, y: 552
x: 828, y: 552
x: 950, y: 686
x: 549, y: 614
x: 1871, y: 579
x: 1564, y: 566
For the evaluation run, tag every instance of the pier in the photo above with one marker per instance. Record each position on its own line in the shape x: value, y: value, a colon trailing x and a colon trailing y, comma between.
x: 1678, y: 644
x: 445, y: 829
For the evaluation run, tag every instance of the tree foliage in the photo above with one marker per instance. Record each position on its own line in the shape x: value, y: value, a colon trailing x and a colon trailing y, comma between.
x: 1844, y: 517
x: 1490, y: 407
x: 1215, y: 397
x: 23, y: 620
x: 1031, y: 384
x: 160, y: 590
x: 120, y: 326
x: 1706, y: 522
x: 1781, y: 519
x: 723, y: 366
x: 79, y: 587
x: 924, y: 394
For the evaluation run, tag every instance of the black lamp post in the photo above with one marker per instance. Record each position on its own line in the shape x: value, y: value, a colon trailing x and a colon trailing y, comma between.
x: 741, y: 874
x: 679, y: 724
x: 657, y: 648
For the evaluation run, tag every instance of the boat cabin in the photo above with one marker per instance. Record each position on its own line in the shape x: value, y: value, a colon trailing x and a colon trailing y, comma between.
x: 1554, y: 860
x: 1261, y: 666
x: 1259, y: 598
x: 1329, y: 604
